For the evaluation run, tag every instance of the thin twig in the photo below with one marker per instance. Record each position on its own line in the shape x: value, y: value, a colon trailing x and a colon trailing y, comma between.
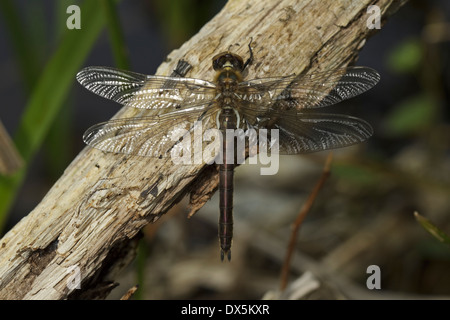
x: 298, y: 222
x: 129, y: 293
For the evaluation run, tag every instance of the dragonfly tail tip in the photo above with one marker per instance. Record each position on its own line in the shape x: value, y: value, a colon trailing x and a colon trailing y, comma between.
x: 222, y: 255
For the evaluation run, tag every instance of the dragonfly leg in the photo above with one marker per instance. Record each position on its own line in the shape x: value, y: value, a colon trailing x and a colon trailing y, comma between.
x: 250, y: 59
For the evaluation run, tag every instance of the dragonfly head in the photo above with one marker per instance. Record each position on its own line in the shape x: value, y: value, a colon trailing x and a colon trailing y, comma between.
x: 228, y: 60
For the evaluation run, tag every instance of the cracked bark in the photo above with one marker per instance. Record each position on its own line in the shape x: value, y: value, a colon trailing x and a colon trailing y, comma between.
x: 91, y: 217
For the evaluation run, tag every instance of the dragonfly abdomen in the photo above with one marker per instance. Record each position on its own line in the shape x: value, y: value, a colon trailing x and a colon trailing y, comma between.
x: 226, y: 173
x: 228, y: 123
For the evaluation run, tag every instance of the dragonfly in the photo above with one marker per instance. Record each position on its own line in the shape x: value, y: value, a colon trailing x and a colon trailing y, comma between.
x: 287, y: 104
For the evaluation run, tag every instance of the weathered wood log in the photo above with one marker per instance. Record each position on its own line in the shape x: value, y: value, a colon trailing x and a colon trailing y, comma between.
x: 87, y: 226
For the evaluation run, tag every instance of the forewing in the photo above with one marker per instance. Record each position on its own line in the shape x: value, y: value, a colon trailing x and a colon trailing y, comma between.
x: 306, y: 91
x: 304, y: 132
x: 146, y: 92
x: 153, y: 136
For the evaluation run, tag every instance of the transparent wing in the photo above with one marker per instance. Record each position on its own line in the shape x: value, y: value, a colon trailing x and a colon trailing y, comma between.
x: 304, y: 132
x: 153, y: 136
x: 146, y: 92
x: 306, y: 91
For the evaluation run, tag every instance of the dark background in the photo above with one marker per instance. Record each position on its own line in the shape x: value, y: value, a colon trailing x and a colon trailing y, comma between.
x: 363, y: 215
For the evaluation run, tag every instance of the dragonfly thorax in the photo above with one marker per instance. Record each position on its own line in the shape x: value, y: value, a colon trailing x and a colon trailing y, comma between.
x: 227, y: 81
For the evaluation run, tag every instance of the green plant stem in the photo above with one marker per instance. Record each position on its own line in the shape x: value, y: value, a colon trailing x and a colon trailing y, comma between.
x: 118, y: 45
x: 22, y: 47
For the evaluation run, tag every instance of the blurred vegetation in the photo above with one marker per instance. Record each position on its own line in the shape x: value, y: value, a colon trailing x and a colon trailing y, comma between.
x: 48, y: 88
x: 405, y: 169
x: 180, y: 20
x: 432, y: 229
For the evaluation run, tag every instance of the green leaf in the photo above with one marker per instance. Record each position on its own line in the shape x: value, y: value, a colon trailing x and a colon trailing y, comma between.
x: 357, y: 174
x: 48, y: 95
x: 432, y: 229
x: 411, y: 115
x: 406, y: 57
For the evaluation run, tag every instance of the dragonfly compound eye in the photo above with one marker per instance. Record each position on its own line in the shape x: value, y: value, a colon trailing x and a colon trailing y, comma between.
x: 227, y: 59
